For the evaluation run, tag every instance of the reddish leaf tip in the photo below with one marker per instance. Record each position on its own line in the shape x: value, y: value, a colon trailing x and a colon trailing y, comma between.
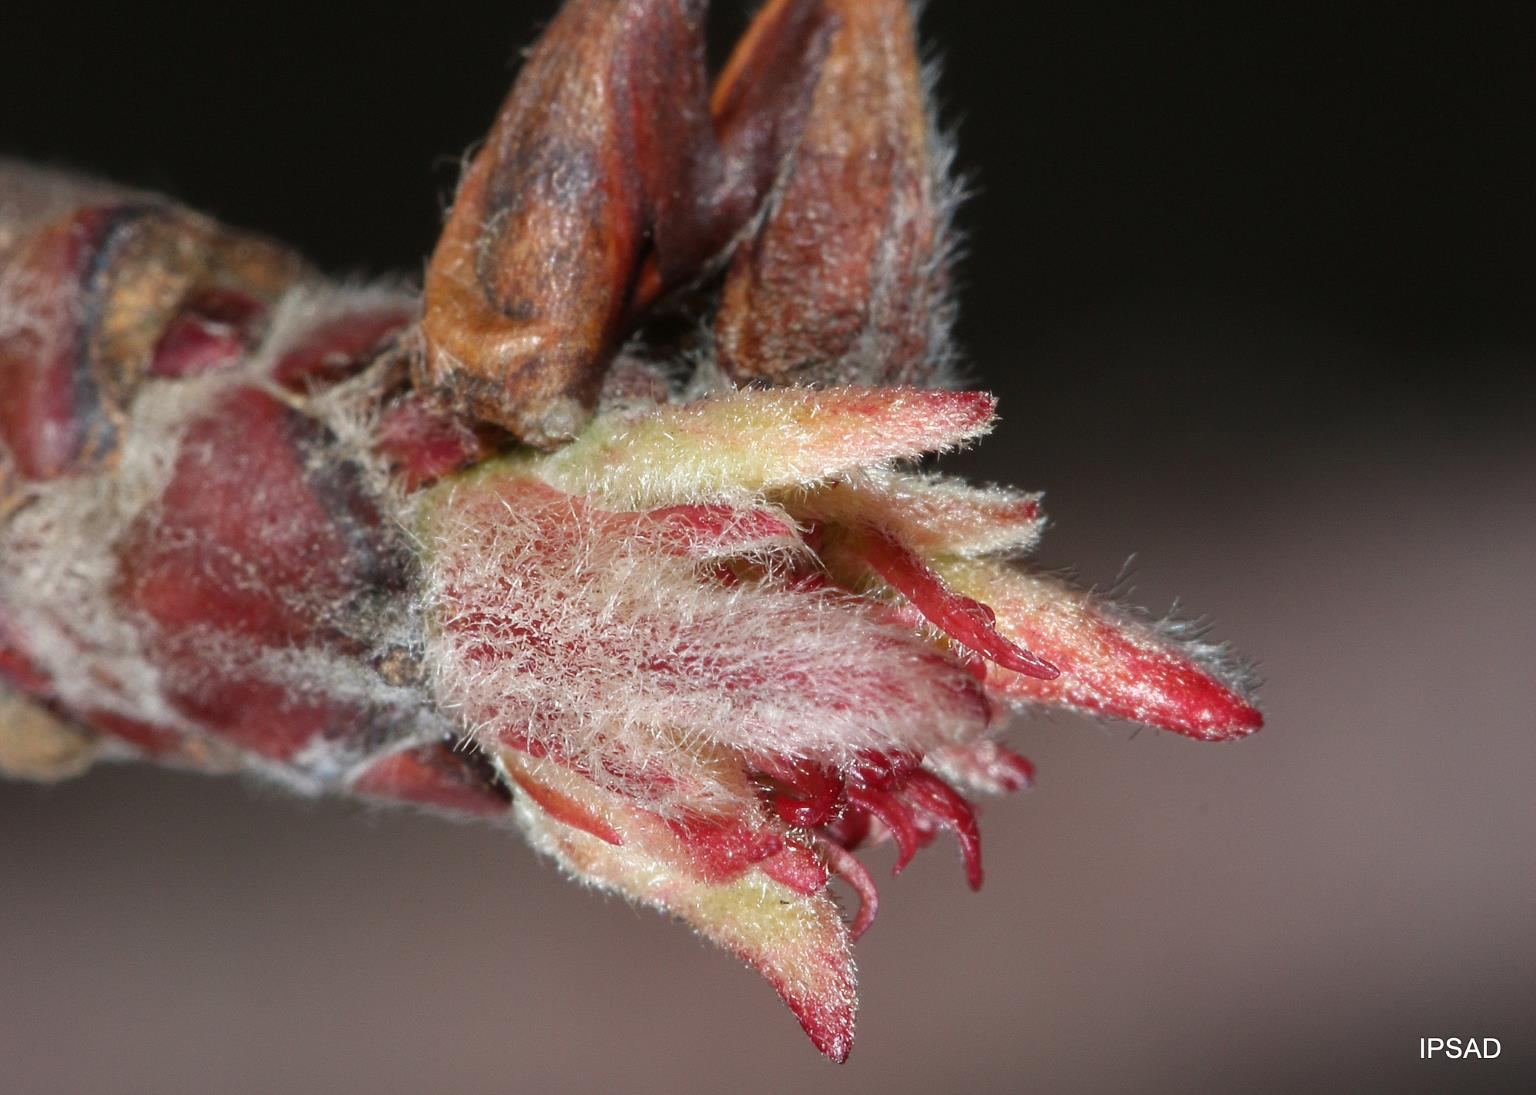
x: 1220, y: 715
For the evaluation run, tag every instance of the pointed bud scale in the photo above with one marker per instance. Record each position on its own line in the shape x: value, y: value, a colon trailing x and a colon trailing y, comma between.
x: 844, y: 282
x: 1111, y: 663
x: 603, y: 148
x: 757, y: 440
x: 757, y: 107
x: 760, y: 100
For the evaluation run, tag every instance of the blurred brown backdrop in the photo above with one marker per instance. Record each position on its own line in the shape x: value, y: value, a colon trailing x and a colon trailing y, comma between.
x: 1255, y: 288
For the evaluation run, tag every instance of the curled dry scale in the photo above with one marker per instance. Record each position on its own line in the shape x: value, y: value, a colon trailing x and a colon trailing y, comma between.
x: 612, y: 535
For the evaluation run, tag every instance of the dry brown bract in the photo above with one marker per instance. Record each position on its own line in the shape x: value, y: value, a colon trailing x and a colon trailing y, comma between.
x: 612, y: 176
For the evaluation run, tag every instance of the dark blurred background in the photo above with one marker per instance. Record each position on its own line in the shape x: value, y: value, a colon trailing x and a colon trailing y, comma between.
x: 1255, y: 285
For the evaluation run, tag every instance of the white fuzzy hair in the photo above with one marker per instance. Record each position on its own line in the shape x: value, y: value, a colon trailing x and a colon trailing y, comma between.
x: 60, y: 567
x: 607, y: 648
